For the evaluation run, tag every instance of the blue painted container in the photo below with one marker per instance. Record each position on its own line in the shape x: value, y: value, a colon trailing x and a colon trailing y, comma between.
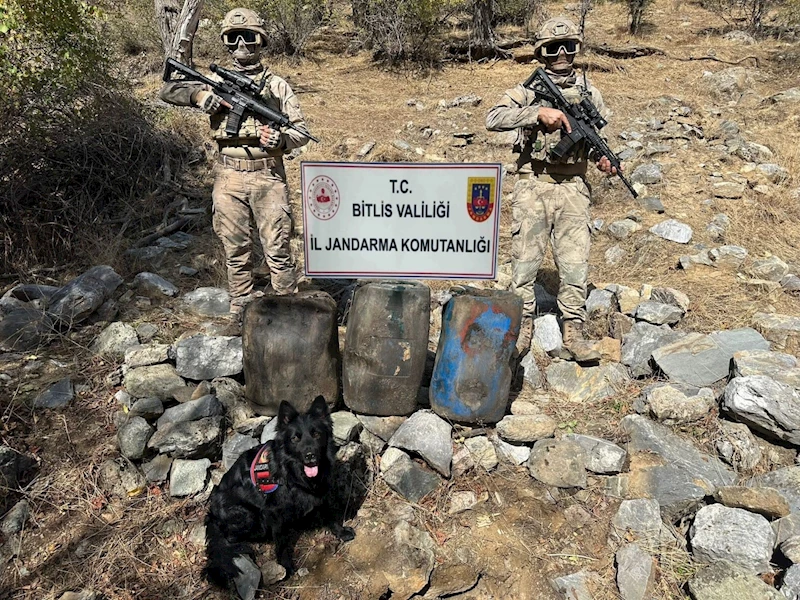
x: 472, y: 373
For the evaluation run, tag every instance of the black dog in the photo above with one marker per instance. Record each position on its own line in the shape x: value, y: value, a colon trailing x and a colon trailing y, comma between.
x: 272, y: 492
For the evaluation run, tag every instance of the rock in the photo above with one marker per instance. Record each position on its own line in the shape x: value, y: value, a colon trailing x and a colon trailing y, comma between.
x: 120, y: 477
x: 207, y: 357
x: 547, y: 333
x: 770, y: 269
x: 586, y: 384
x: 791, y: 283
x: 272, y: 573
x: 737, y: 446
x: 724, y: 581
x: 147, y: 408
x: 14, y: 521
x: 193, y: 410
x: 146, y: 332
x: 346, y: 427
x: 627, y: 298
x: 673, y: 231
x: 752, y: 152
x: 525, y: 428
x: 787, y: 96
x: 188, y: 477
x: 270, y: 431
x: 728, y: 84
x: 601, y: 303
x: 248, y: 579
x: 83, y: 295
x: 658, y: 313
x: 668, y: 469
x: 452, y: 579
x: 652, y: 204
x: 461, y: 501
x: 208, y: 302
x: 614, y: 255
x: 558, y: 463
x: 82, y: 595
x: 152, y: 284
x: 689, y: 261
x: 155, y: 381
x: 599, y: 456
x: 574, y: 587
x: 641, y: 341
x: 728, y: 189
x: 482, y: 451
x: 402, y: 145
x: 648, y: 174
x: 530, y: 370
x: 764, y: 404
x: 146, y: 355
x: 115, y: 340
x: 623, y: 229
x: 193, y: 439
x: 516, y: 455
x: 773, y: 173
x: 718, y: 226
x: 407, y: 478
x: 25, y: 329
x: 234, y: 446
x: 740, y: 36
x: 57, y: 395
x: 641, y: 516
x: 782, y: 330
x: 727, y: 257
x: 429, y: 436
x: 157, y: 470
x: 790, y: 587
x: 719, y: 533
x: 783, y: 368
x: 188, y: 271
x: 133, y: 438
x: 764, y: 501
x: 634, y: 572
x: 702, y: 360
x: 365, y: 149
x: 383, y: 427
x: 673, y: 406
x: 786, y: 481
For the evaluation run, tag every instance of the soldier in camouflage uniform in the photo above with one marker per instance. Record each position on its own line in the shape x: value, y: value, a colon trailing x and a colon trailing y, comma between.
x: 551, y: 198
x: 250, y: 177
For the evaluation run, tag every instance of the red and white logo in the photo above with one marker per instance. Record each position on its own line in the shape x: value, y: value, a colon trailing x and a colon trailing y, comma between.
x: 322, y: 197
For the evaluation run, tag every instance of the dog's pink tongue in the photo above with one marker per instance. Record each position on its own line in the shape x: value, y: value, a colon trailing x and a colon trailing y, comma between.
x: 311, y: 471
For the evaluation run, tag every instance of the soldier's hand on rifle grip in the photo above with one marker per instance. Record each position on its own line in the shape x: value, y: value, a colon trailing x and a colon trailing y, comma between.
x: 209, y: 102
x: 553, y: 119
x: 606, y: 167
x: 270, y: 138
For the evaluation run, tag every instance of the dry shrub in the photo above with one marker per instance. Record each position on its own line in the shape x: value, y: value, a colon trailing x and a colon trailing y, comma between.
x: 92, y: 174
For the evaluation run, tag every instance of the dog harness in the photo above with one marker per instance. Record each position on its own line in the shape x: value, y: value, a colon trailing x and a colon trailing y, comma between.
x: 260, y: 473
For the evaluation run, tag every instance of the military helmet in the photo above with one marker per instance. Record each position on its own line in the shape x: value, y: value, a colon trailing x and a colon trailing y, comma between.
x: 559, y: 28
x: 243, y: 19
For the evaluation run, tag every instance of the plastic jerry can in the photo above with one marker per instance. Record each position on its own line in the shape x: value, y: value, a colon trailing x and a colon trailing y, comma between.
x: 291, y: 351
x: 385, y: 347
x: 472, y: 373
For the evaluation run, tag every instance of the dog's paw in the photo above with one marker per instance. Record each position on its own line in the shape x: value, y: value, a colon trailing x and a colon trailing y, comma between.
x: 346, y: 534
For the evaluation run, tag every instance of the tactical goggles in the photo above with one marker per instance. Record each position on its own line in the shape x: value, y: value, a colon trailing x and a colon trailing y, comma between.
x: 232, y: 38
x: 569, y: 47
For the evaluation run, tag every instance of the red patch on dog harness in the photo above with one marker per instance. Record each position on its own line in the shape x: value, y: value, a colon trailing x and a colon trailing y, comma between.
x: 260, y: 473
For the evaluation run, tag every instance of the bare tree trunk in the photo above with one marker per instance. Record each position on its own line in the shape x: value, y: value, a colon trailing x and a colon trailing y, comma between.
x: 482, y: 34
x: 177, y: 22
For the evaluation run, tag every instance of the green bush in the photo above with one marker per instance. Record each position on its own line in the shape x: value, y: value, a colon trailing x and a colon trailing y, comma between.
x: 399, y: 30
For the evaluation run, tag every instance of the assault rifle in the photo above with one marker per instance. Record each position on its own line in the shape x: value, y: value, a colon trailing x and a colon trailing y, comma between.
x: 241, y: 92
x: 584, y: 119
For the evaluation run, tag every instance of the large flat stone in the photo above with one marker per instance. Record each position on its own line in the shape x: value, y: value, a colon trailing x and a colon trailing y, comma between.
x: 428, y: 435
x: 702, y: 360
x: 641, y: 341
x: 764, y: 404
x: 782, y: 330
x: 586, y: 384
x: 724, y: 581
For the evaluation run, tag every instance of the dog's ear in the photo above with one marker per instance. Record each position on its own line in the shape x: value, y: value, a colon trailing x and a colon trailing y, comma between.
x: 286, y: 413
x: 319, y: 408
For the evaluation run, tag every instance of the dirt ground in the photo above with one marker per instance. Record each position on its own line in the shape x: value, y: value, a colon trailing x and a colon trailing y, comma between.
x: 519, y: 537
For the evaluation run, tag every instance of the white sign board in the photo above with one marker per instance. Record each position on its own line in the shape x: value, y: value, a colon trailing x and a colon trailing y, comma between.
x: 401, y: 220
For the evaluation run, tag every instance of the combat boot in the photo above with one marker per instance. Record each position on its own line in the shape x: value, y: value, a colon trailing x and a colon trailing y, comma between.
x: 582, y: 350
x: 525, y: 336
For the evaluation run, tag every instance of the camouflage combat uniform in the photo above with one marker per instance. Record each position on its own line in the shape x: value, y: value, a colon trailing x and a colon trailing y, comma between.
x: 249, y: 180
x: 550, y: 200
